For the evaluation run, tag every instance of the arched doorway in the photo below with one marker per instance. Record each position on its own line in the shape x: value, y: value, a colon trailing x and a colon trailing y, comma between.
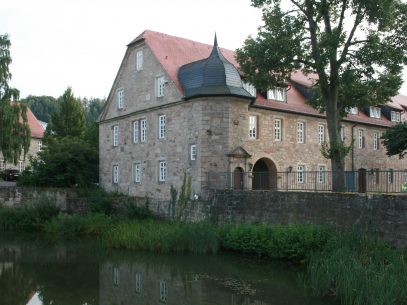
x: 238, y: 178
x: 264, y: 175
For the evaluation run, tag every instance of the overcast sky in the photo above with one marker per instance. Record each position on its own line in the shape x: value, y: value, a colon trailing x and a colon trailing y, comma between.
x: 80, y: 43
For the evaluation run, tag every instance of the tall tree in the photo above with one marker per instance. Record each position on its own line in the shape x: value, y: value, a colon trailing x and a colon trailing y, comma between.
x: 14, y: 129
x: 352, y: 50
x: 395, y: 140
x: 42, y: 106
x: 69, y: 121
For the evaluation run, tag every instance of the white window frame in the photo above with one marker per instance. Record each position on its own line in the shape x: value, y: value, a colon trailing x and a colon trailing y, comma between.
x: 374, y: 112
x: 277, y: 94
x: 139, y: 60
x: 301, y: 132
x: 162, y: 130
x: 277, y: 129
x: 249, y: 88
x: 115, y: 174
x: 116, y: 135
x: 143, y: 130
x: 300, y: 173
x: 376, y: 139
x: 138, y: 285
x: 253, y: 134
x: 321, y: 134
x: 352, y: 110
x: 136, y: 131
x: 159, y: 86
x: 361, y: 138
x: 20, y: 166
x: 395, y: 116
x: 137, y: 172
x: 193, y: 152
x: 116, y: 276
x: 2, y: 165
x: 162, y: 171
x: 163, y: 291
x: 39, y: 145
x: 321, y: 173
x: 120, y: 99
x: 342, y: 132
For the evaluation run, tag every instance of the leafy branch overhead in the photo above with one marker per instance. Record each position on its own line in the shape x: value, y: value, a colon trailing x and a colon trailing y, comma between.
x: 351, y: 51
x: 395, y: 140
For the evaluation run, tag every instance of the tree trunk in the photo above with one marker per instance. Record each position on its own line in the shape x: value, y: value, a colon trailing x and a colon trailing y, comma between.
x: 335, y: 142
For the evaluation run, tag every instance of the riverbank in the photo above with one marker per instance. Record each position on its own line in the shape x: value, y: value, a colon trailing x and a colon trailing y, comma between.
x: 347, y: 266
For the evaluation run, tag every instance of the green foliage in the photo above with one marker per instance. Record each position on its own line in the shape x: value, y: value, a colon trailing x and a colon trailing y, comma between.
x: 42, y: 106
x: 163, y: 236
x: 93, y: 107
x: 14, y: 129
x: 359, y: 272
x: 294, y: 242
x: 67, y: 162
x: 184, y: 196
x: 395, y: 140
x: 78, y: 225
x: 69, y: 121
x: 328, y: 150
x: 173, y: 201
x: 28, y: 219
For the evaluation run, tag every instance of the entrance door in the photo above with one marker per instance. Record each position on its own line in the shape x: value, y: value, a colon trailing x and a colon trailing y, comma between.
x: 238, y: 178
x: 264, y: 175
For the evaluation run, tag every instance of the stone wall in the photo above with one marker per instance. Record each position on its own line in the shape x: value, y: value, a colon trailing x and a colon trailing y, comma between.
x: 381, y: 216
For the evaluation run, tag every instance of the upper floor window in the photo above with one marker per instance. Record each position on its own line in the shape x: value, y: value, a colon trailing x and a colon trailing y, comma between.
x: 374, y: 112
x: 193, y: 152
x: 352, y: 110
x: 139, y: 131
x: 139, y: 60
x: 395, y: 116
x: 277, y: 94
x: 159, y: 86
x: 300, y: 132
x: 161, y: 126
x: 376, y: 140
x: 120, y: 99
x: 250, y: 88
x: 137, y: 172
x: 115, y: 135
x: 321, y: 134
x: 162, y: 171
x: 361, y: 138
x: 277, y: 129
x: 115, y: 174
x: 253, y: 127
x: 39, y: 145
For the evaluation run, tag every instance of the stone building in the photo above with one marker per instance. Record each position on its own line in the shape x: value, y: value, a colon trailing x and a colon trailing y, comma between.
x: 37, y: 133
x: 179, y: 106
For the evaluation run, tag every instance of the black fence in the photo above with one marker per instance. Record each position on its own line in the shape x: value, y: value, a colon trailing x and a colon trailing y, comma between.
x: 376, y: 181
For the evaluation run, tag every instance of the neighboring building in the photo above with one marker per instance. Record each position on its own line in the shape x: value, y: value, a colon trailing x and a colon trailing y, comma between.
x: 37, y: 133
x: 178, y: 106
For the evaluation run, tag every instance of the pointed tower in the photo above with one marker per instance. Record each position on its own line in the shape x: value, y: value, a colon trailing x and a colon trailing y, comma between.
x: 213, y: 76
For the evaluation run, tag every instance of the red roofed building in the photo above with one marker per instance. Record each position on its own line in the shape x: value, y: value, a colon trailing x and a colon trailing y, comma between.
x: 179, y: 106
x: 37, y: 133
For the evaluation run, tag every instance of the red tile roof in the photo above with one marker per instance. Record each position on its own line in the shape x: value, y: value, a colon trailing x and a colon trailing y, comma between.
x: 173, y: 52
x: 37, y: 131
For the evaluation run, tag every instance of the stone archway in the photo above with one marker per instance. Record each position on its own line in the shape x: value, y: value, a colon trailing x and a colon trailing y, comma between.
x: 264, y: 175
x: 238, y: 178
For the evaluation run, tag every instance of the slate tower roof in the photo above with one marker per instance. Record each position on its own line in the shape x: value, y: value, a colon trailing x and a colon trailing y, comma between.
x: 213, y: 76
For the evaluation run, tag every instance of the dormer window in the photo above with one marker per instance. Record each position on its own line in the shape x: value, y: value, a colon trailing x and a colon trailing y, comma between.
x: 395, y: 116
x: 250, y: 88
x: 352, y: 110
x: 277, y: 94
x: 374, y: 112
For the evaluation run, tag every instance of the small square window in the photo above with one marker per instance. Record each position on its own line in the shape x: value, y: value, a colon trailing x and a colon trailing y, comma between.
x: 395, y: 116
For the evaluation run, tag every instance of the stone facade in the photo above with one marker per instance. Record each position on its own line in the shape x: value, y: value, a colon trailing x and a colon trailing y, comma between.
x: 218, y: 126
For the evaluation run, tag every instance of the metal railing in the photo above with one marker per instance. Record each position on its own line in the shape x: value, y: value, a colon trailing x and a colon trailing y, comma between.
x: 376, y: 181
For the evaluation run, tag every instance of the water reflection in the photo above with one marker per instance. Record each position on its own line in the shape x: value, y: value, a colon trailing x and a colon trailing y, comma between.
x: 79, y: 273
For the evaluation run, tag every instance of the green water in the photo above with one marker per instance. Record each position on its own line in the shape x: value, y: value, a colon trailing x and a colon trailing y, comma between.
x: 36, y: 272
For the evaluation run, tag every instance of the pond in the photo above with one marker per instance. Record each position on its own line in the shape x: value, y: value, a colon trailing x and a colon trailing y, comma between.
x: 35, y: 272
